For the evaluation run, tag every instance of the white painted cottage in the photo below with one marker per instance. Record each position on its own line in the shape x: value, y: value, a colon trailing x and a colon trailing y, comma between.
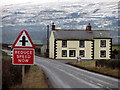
x: 89, y: 44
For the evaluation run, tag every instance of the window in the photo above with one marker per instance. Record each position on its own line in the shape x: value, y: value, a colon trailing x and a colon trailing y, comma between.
x: 64, y: 53
x: 102, y: 53
x: 82, y: 53
x: 64, y: 43
x: 82, y: 43
x: 103, y: 43
x: 72, y: 53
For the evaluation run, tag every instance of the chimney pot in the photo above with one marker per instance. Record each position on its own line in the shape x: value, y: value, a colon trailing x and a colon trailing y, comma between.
x: 88, y: 28
x: 53, y: 26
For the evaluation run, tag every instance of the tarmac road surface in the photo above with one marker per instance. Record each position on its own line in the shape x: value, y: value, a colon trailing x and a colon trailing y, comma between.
x: 65, y: 76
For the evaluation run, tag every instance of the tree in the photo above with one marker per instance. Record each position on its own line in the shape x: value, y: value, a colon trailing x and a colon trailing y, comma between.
x: 114, y: 53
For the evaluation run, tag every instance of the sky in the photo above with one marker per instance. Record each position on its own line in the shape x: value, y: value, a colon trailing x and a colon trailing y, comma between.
x: 8, y: 2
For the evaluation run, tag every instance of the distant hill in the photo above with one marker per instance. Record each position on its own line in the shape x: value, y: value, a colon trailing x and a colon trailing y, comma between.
x: 73, y: 15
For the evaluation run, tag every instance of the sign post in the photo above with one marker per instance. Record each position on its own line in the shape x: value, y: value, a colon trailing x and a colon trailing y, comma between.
x: 23, y: 52
x: 23, y: 73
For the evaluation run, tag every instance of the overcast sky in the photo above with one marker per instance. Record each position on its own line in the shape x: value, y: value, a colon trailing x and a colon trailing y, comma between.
x: 7, y: 2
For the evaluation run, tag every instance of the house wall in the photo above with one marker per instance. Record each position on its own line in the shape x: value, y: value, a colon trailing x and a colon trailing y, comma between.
x: 74, y: 45
x: 88, y: 50
x: 43, y: 49
x: 92, y: 48
x: 97, y: 49
x: 51, y: 46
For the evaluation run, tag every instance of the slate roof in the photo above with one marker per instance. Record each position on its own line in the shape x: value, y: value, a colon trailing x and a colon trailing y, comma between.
x: 81, y: 34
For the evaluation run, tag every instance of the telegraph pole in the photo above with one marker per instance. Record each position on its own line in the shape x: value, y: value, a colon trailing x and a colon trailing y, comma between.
x: 47, y: 50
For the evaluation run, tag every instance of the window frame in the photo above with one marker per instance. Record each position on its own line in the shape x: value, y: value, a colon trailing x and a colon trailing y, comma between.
x: 83, y: 53
x: 64, y: 41
x: 65, y: 52
x: 104, y: 53
x: 73, y: 53
x: 102, y: 45
x: 80, y: 43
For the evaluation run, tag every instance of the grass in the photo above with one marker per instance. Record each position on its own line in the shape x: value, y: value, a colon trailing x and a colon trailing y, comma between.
x: 35, y: 78
x: 40, y: 55
x: 5, y: 56
x: 117, y: 47
x: 90, y: 65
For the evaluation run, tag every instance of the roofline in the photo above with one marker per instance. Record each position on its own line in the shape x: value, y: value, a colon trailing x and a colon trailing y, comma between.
x: 76, y: 39
x: 83, y: 39
x: 77, y: 30
x: 103, y: 38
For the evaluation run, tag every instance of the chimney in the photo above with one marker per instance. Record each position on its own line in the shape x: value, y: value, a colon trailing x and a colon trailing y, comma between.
x: 53, y: 26
x: 88, y: 28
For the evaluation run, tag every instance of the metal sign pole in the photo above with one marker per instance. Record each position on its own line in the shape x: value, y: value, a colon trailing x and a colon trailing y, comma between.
x: 23, y: 71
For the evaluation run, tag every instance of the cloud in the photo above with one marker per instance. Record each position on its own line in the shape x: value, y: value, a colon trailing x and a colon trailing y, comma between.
x: 8, y: 2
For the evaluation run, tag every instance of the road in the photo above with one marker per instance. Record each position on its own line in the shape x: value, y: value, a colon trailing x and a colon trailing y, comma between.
x: 65, y: 76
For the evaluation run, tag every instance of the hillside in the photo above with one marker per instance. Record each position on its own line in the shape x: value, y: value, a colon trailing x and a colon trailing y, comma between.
x: 66, y: 15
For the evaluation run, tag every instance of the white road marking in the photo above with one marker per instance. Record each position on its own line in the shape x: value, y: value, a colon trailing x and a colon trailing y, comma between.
x: 99, y: 84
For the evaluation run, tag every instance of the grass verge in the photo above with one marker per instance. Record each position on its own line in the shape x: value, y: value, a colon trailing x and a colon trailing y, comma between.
x: 90, y: 66
x: 35, y: 78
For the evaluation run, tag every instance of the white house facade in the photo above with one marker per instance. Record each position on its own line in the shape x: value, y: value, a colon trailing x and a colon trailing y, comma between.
x: 89, y: 44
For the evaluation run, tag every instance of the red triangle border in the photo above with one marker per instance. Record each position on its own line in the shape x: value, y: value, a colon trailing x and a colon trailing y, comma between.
x: 13, y: 46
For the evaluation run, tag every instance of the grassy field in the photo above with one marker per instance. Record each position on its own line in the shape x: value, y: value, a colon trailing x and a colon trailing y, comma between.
x: 5, y: 56
x: 35, y: 78
x: 117, y: 47
x: 90, y: 65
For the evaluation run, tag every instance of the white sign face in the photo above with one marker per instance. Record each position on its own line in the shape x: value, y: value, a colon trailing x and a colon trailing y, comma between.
x: 23, y: 41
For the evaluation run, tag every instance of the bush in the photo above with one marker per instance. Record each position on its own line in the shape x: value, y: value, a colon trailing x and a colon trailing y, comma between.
x: 114, y: 64
x: 108, y: 63
x: 11, y: 74
x: 6, y: 75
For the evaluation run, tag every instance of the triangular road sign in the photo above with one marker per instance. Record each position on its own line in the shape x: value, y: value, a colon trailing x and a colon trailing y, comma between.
x: 23, y: 41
